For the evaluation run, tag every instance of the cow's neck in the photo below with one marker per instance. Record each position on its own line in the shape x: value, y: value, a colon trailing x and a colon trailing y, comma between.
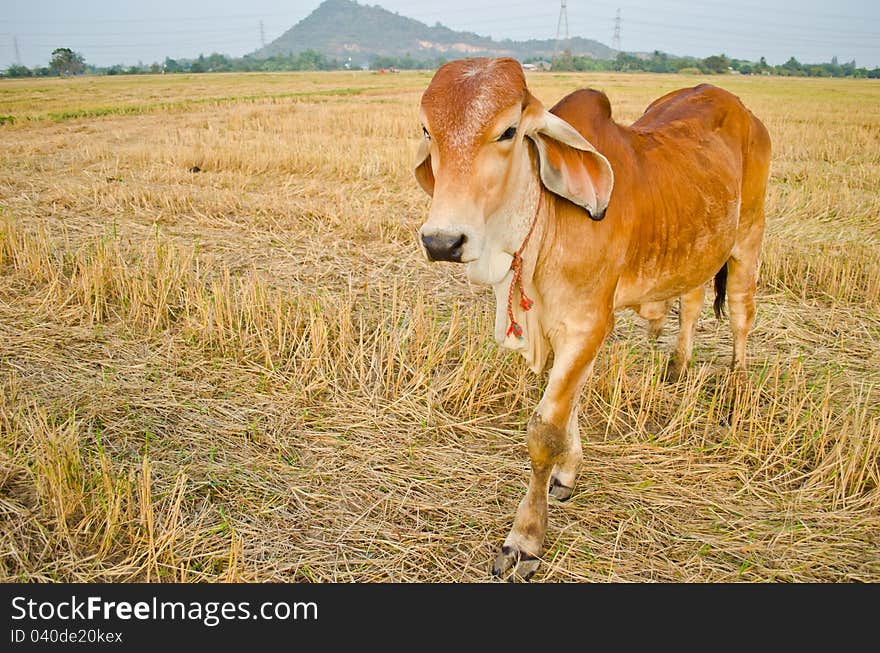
x: 528, y: 225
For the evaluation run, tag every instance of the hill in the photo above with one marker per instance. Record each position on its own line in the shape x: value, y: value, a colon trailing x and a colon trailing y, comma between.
x: 343, y: 29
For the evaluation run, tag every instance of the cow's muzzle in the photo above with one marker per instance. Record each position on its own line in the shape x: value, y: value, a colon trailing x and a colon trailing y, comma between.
x: 442, y: 247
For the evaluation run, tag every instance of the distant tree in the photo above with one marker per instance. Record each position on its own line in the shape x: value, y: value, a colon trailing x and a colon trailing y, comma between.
x: 199, y: 65
x: 16, y: 70
x: 659, y: 63
x: 217, y: 63
x: 679, y: 65
x: 792, y: 66
x: 310, y: 60
x: 624, y: 62
x: 715, y: 64
x: 383, y: 63
x: 565, y: 61
x: 66, y: 62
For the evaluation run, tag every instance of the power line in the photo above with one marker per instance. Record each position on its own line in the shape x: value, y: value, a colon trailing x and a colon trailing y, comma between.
x: 126, y: 35
x: 615, y: 40
x: 717, y: 35
x: 674, y: 33
x: 743, y: 22
x: 763, y: 9
x: 262, y: 34
x: 17, y: 52
x: 149, y: 19
x: 244, y: 40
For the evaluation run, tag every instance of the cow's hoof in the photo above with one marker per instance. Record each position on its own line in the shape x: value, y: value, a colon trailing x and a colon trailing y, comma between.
x: 674, y: 373
x: 521, y: 565
x: 559, y: 491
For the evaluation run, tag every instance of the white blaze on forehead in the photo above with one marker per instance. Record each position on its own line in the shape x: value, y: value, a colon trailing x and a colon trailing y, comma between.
x: 474, y: 68
x: 465, y: 97
x: 475, y: 113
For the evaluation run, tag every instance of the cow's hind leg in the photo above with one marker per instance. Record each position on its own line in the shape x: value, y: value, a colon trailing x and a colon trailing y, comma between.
x: 549, y: 443
x: 655, y: 314
x: 565, y: 471
x: 745, y: 259
x: 742, y: 275
x: 690, y: 307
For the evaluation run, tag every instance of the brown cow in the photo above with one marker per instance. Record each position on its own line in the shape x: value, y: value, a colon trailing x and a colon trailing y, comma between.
x: 571, y: 216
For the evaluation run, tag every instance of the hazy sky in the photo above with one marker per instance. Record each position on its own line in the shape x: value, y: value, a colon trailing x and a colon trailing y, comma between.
x: 124, y: 31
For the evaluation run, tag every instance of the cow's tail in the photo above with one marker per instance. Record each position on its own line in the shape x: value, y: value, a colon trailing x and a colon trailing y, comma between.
x: 720, y: 291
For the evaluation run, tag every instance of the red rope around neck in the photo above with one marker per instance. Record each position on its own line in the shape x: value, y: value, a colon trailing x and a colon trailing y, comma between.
x: 516, y: 266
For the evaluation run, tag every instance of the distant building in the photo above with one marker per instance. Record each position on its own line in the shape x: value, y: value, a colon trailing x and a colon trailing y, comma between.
x: 537, y: 65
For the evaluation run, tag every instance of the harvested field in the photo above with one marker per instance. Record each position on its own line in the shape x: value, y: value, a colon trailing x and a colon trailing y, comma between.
x: 222, y: 356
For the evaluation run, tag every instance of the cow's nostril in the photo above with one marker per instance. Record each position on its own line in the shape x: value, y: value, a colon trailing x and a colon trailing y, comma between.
x: 442, y: 247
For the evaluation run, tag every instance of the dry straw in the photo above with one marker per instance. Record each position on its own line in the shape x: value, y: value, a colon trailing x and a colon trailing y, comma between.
x: 222, y: 358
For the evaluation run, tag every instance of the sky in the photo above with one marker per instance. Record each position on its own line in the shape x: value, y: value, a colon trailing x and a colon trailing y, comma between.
x: 123, y: 31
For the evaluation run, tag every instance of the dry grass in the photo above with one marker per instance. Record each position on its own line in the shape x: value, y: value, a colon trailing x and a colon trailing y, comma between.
x: 248, y: 372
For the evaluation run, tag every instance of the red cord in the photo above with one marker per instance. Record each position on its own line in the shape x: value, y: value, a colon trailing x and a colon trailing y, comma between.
x: 516, y: 266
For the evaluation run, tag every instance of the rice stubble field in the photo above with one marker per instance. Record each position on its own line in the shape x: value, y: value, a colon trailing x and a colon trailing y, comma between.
x: 223, y: 358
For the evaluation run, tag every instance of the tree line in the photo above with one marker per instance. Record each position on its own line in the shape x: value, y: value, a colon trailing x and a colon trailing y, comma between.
x: 61, y: 65
x: 65, y: 62
x: 660, y: 62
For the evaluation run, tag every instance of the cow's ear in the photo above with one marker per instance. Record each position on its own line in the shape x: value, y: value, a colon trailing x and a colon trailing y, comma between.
x: 570, y: 166
x: 424, y: 172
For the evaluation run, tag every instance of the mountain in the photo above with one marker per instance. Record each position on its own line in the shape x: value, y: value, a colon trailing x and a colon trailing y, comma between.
x: 342, y: 29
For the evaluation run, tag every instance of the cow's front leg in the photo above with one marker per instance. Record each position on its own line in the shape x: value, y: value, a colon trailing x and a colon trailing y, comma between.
x: 550, y: 444
x: 565, y: 471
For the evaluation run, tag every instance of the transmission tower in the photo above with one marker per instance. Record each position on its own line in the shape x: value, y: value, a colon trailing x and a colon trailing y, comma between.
x: 563, y: 18
x: 17, y: 53
x: 262, y: 34
x: 615, y: 40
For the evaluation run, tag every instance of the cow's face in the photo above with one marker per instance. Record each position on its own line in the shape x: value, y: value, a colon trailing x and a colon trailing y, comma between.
x: 485, y: 140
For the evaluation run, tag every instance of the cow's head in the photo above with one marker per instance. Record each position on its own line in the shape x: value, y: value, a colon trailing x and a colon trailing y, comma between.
x: 487, y: 142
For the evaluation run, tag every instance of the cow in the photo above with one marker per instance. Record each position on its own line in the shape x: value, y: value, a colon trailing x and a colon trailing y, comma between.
x: 570, y: 216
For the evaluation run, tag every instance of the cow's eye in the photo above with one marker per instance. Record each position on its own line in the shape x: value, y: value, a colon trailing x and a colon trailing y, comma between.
x: 427, y: 135
x: 509, y: 133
